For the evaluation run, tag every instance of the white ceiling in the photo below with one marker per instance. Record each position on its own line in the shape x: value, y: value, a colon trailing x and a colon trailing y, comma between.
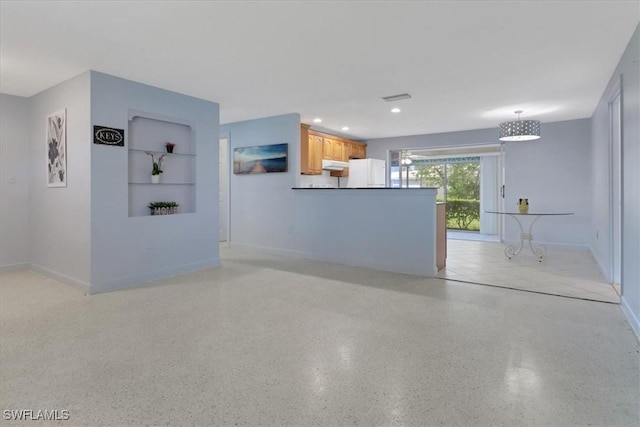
x: 467, y: 64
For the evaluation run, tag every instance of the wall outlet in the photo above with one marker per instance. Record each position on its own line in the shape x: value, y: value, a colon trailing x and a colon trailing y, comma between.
x: 597, y: 234
x: 13, y: 179
x: 151, y: 244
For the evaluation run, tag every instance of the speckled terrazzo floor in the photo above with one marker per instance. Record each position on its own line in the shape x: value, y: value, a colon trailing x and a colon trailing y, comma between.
x: 266, y: 340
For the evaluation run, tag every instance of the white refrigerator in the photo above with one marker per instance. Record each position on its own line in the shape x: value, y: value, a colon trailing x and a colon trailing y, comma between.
x: 365, y: 173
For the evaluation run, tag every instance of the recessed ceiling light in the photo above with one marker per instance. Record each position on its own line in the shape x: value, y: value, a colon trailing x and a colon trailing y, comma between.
x: 395, y: 110
x: 345, y: 127
x: 317, y: 120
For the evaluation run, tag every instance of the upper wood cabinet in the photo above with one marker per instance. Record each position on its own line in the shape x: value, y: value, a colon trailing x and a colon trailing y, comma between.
x: 317, y: 146
x: 327, y: 148
x: 310, y: 152
x: 339, y: 152
x: 316, y: 149
x: 357, y: 150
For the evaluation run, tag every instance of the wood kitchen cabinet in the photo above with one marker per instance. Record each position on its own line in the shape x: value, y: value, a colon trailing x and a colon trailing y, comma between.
x: 317, y: 146
x: 339, y: 152
x: 357, y: 151
x: 310, y: 152
x: 327, y: 148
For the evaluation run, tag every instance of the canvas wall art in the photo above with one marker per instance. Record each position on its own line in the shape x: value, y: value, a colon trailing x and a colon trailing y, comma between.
x: 260, y: 159
x: 57, y: 149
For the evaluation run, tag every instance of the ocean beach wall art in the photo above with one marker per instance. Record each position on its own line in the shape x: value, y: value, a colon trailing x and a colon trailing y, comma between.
x: 260, y: 159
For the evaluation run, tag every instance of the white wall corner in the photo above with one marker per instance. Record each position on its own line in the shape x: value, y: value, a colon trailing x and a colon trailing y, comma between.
x: 62, y: 278
x: 604, y: 271
x: 151, y: 276
x: 631, y: 317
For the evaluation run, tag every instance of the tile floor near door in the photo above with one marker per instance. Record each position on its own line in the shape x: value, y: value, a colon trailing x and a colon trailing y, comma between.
x: 266, y: 340
x: 571, y: 273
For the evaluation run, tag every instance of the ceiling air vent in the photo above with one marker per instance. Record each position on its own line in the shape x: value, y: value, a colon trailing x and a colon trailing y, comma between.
x: 394, y: 98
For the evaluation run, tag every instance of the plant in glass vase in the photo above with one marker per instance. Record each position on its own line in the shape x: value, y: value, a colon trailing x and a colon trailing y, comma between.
x: 169, y: 146
x: 157, y: 167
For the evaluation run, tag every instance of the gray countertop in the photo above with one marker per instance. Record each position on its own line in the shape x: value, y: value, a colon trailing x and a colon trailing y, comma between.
x: 364, y: 188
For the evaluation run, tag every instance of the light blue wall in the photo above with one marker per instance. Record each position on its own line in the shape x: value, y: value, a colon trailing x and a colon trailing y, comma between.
x: 127, y: 250
x: 360, y: 227
x: 338, y: 226
x: 554, y: 173
x: 261, y: 214
x: 60, y: 218
x: 627, y: 76
x: 81, y: 234
x: 533, y: 169
x: 14, y: 182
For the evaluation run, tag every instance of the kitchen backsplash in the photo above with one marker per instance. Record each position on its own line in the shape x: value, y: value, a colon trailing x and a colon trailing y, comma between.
x: 322, y: 181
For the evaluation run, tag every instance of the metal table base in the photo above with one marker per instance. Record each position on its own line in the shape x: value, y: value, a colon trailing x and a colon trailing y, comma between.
x: 513, y: 250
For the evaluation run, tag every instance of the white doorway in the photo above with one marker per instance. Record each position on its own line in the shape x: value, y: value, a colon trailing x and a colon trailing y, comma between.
x: 223, y: 191
x: 615, y: 200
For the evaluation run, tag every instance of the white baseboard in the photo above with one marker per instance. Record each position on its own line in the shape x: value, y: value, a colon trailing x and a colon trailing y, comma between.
x: 355, y: 262
x: 116, y: 284
x: 63, y: 278
x: 14, y: 267
x: 631, y: 317
x: 151, y: 276
x: 275, y: 251
x: 603, y: 270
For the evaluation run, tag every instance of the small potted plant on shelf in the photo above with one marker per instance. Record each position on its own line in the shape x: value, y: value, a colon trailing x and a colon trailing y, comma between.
x: 157, y: 167
x: 169, y: 146
x: 163, y: 208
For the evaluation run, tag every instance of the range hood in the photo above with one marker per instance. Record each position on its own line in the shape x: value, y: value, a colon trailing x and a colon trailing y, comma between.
x: 334, y: 165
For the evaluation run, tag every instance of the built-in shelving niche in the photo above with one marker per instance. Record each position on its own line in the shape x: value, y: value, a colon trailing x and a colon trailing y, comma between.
x: 149, y: 132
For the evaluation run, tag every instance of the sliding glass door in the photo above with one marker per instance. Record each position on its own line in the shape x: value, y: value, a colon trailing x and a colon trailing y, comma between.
x: 469, y: 184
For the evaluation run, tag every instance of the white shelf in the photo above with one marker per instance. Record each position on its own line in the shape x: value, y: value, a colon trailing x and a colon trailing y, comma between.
x: 162, y: 183
x: 175, y: 153
x: 140, y: 195
x: 149, y: 132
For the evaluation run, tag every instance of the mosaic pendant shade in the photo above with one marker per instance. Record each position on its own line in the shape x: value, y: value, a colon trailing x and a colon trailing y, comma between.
x: 519, y: 130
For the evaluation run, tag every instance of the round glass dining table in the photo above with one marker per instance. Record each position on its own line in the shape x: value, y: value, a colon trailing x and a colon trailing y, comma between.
x: 540, y: 251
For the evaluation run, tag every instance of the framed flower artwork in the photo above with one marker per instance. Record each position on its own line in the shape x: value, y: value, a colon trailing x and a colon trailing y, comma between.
x: 57, y: 149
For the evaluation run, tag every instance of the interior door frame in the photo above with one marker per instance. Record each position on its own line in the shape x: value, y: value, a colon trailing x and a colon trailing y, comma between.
x: 228, y: 185
x: 615, y: 197
x: 502, y: 159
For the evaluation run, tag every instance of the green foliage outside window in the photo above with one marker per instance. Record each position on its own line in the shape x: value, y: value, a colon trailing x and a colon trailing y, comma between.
x: 462, y: 191
x: 463, y: 180
x: 463, y: 213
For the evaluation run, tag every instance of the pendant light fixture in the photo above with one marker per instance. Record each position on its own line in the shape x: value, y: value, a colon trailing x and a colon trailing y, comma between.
x: 520, y: 130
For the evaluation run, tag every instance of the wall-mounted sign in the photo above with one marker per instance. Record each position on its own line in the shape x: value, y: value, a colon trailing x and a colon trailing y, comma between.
x: 108, y: 136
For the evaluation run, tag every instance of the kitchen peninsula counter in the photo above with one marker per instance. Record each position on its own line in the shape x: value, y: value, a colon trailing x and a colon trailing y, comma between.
x: 365, y: 188
x: 391, y: 229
